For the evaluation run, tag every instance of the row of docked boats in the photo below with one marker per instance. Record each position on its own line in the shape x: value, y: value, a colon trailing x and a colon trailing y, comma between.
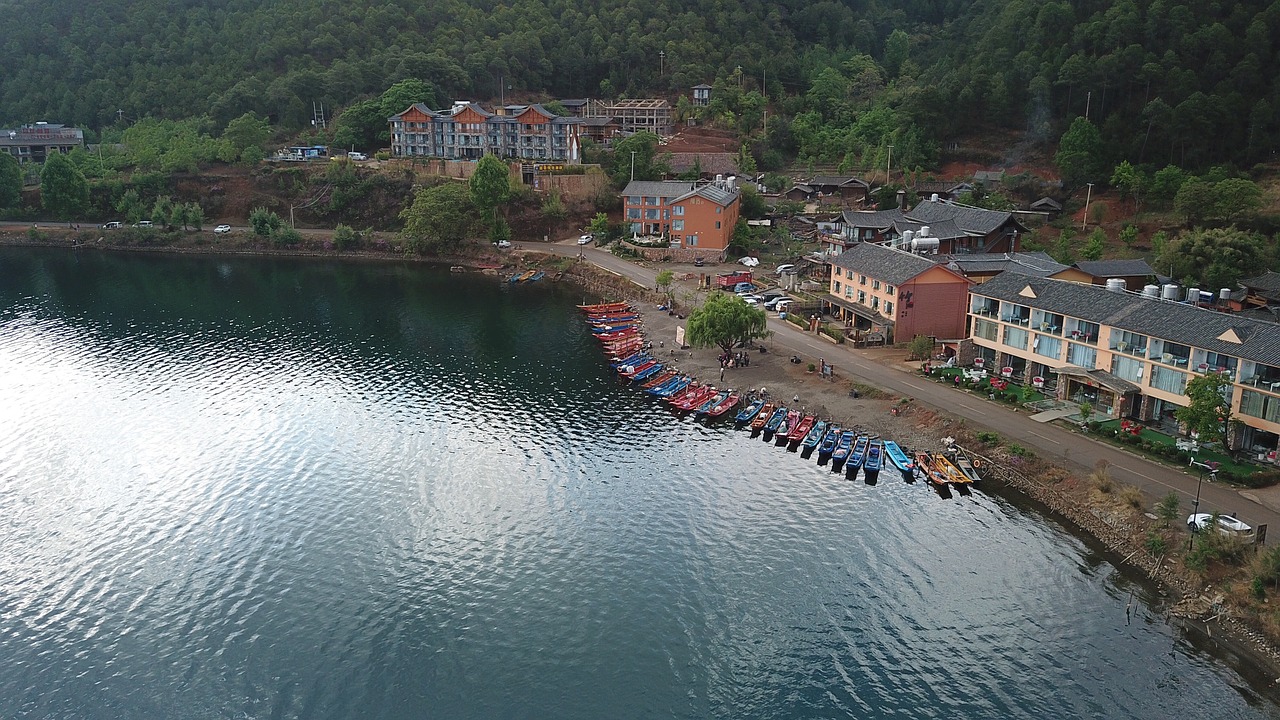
x: 617, y: 326
x: 527, y: 276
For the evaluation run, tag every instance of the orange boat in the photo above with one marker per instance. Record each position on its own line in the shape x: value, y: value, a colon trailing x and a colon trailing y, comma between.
x: 762, y: 417
x: 605, y: 307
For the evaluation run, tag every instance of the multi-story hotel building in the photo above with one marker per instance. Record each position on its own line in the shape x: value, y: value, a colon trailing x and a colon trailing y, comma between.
x: 697, y: 216
x: 469, y: 132
x: 893, y: 294
x: 1130, y: 355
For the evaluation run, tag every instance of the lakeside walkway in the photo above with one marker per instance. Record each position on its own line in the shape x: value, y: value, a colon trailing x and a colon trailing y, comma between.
x: 1075, y: 451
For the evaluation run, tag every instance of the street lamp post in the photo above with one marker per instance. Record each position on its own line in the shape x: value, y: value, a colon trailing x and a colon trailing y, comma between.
x: 662, y: 62
x: 633, y: 165
x: 1206, y: 471
x: 887, y: 164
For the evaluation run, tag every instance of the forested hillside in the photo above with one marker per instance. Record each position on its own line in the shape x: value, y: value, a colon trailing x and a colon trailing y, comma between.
x: 1185, y: 81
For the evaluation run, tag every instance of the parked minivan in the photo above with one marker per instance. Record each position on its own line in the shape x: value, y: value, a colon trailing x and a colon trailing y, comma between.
x: 112, y: 225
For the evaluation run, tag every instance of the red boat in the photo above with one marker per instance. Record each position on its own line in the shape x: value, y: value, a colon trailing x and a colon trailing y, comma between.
x: 724, y: 406
x: 633, y: 370
x: 801, y: 429
x: 618, y: 335
x: 605, y: 307
x: 762, y: 417
x: 694, y: 399
x: 658, y: 379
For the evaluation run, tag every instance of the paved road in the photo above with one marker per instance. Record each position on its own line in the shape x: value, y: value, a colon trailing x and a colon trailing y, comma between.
x: 1073, y: 449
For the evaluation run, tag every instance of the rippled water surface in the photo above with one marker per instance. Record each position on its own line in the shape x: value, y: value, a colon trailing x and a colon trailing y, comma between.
x: 261, y: 488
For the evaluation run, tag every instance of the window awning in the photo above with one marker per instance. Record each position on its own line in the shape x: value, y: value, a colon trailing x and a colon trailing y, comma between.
x: 1099, y: 377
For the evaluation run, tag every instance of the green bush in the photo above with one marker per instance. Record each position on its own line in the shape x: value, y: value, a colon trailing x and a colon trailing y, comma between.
x: 988, y: 438
x: 1093, y: 426
x: 286, y: 236
x: 1155, y: 544
x: 345, y: 238
x: 1019, y: 451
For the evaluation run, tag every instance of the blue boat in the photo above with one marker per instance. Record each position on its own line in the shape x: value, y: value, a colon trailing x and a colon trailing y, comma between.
x: 711, y: 402
x: 828, y: 444
x: 856, y: 456
x: 667, y: 390
x: 810, y: 441
x: 775, y: 420
x: 606, y: 329
x: 900, y: 460
x: 635, y: 359
x: 841, y: 454
x: 747, y: 414
x: 872, y: 463
x: 537, y: 276
x: 647, y: 373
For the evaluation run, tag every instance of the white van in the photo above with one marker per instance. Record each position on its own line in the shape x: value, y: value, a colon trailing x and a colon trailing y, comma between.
x: 357, y: 156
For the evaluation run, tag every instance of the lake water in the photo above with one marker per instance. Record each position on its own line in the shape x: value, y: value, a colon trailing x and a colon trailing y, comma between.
x: 275, y: 488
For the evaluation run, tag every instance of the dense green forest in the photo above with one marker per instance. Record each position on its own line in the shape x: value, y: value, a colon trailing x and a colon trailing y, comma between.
x: 1188, y: 82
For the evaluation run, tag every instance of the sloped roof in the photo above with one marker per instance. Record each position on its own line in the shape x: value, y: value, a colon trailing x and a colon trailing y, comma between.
x: 970, y: 219
x: 1033, y: 264
x: 575, y: 102
x: 1046, y: 202
x: 1268, y: 282
x: 837, y: 180
x: 940, y: 186
x: 657, y: 188
x: 1115, y: 268
x: 701, y: 87
x: 944, y: 230
x: 802, y: 188
x: 877, y: 219
x: 1179, y: 322
x: 714, y: 193
x: 416, y: 106
x: 885, y: 263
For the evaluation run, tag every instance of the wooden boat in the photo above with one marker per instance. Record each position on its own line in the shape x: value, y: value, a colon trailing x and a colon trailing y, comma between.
x: 630, y: 371
x: 900, y: 460
x: 521, y: 277
x: 630, y: 360
x: 688, y: 390
x: 457, y: 268
x: 671, y: 387
x: 775, y: 421
x: 694, y: 399
x: 856, y: 456
x: 723, y: 407
x: 705, y: 408
x: 800, y: 432
x: 747, y: 414
x: 783, y: 433
x: 605, y: 307
x: 827, y: 445
x: 873, y: 462
x: 948, y: 469
x: 619, y: 334
x: 812, y: 438
x: 762, y: 416
x: 924, y: 464
x: 840, y: 454
x: 965, y: 465
x: 651, y: 371
x: 660, y: 378
x: 537, y: 276
x: 610, y: 329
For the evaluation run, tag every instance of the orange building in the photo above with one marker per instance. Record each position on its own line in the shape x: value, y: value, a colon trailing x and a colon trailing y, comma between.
x: 697, y: 216
x: 469, y: 132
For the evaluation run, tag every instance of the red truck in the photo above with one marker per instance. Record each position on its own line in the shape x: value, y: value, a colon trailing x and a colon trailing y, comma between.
x: 727, y: 281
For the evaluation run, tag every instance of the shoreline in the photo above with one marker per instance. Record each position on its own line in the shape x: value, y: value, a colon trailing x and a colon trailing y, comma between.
x: 1065, y: 499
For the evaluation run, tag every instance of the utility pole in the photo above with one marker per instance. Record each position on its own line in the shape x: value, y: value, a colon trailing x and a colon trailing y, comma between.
x: 633, y: 166
x: 662, y: 62
x: 888, y: 163
x: 1088, y: 100
x: 1087, y: 196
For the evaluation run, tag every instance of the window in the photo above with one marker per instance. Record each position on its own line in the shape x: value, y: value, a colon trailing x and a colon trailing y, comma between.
x: 678, y: 210
x: 862, y: 279
x: 1050, y: 347
x: 677, y: 225
x: 888, y: 288
x: 888, y: 308
x: 875, y: 284
x: 875, y: 303
x: 848, y: 273
x: 1127, y: 368
x: 719, y: 210
x: 986, y: 330
x: 862, y: 297
x: 1256, y: 404
x: 1015, y: 337
x: 634, y: 200
x: 717, y: 224
x: 1168, y: 379
x: 837, y: 287
x: 1082, y: 356
x: 692, y: 240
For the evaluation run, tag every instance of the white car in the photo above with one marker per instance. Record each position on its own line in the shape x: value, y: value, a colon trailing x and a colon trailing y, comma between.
x: 749, y: 261
x: 782, y: 305
x: 504, y: 244
x: 143, y: 223
x: 222, y: 230
x: 586, y: 239
x: 774, y: 303
x: 1227, y: 525
x: 783, y: 269
x: 750, y: 299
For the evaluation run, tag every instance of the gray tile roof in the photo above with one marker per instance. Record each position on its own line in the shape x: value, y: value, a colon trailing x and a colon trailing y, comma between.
x: 1178, y: 322
x: 1115, y: 268
x: 714, y: 193
x: 970, y: 219
x: 714, y: 163
x: 878, y: 219
x: 837, y: 180
x: 882, y: 263
x: 657, y: 188
x: 1033, y: 264
x: 944, y: 230
x: 1268, y: 281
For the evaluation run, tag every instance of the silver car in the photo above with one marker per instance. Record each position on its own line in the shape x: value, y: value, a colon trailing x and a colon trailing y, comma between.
x: 1227, y: 525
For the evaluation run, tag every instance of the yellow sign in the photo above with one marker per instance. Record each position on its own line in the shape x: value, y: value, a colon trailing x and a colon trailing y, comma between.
x: 548, y: 168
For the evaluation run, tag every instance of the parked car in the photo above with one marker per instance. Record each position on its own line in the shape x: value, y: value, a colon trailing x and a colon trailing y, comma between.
x: 774, y: 302
x: 503, y: 244
x: 744, y: 287
x: 112, y: 225
x: 749, y: 261
x: 1227, y: 525
x: 586, y: 239
x: 783, y: 269
x: 750, y: 299
x: 782, y: 305
x: 697, y: 262
x: 357, y: 156
x: 144, y: 223
x: 222, y: 229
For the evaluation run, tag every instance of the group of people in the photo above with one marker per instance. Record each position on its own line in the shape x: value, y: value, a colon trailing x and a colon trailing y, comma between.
x: 730, y: 360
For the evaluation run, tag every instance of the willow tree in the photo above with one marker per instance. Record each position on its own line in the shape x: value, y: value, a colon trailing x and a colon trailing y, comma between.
x: 724, y: 321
